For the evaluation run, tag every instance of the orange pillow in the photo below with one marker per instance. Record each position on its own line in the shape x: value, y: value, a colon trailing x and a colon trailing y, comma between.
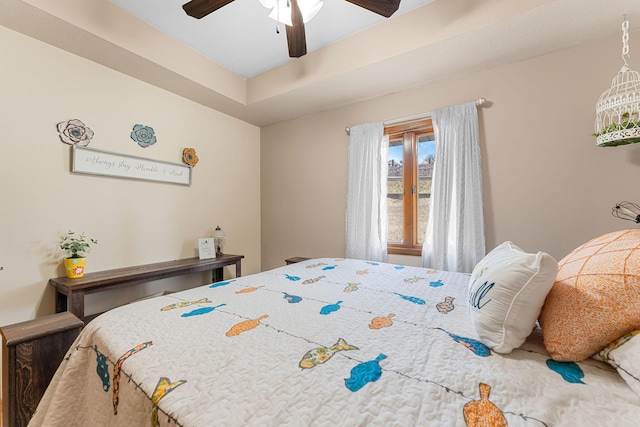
x: 595, y: 298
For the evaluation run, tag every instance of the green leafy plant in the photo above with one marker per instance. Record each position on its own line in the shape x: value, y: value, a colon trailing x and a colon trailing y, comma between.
x: 627, y: 123
x: 76, y: 245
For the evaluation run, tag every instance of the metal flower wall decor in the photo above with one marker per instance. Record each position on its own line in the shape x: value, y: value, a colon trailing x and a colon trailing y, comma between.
x: 190, y: 157
x: 74, y: 132
x: 143, y: 135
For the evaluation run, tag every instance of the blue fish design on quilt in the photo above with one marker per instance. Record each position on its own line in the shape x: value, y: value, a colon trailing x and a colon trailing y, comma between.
x: 372, y: 263
x: 409, y: 298
x: 364, y: 373
x: 292, y: 278
x: 329, y: 267
x: 436, y: 284
x: 292, y: 299
x: 569, y: 371
x: 102, y: 369
x: 218, y: 284
x: 475, y: 346
x: 201, y: 310
x: 328, y: 309
x: 399, y: 267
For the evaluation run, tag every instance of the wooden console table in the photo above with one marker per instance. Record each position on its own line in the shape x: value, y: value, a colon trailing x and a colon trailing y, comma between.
x: 70, y: 292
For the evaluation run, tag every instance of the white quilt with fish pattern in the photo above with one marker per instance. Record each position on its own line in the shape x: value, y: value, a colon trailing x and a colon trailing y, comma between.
x: 320, y: 343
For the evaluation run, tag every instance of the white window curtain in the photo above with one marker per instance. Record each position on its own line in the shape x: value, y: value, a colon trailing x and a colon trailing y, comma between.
x: 366, y: 216
x: 455, y: 238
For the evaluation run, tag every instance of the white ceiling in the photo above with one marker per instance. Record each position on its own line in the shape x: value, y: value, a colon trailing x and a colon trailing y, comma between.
x: 441, y: 39
x: 240, y: 36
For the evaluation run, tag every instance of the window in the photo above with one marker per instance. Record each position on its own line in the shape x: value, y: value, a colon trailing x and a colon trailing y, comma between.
x: 412, y: 150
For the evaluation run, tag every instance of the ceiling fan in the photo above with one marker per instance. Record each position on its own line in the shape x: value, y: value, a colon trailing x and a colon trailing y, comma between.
x: 296, y: 39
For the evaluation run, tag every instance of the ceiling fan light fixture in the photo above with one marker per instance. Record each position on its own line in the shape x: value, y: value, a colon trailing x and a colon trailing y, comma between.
x: 281, y: 9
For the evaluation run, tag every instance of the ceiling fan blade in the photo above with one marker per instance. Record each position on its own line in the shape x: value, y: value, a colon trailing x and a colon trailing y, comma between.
x: 296, y: 38
x: 201, y: 8
x: 385, y: 8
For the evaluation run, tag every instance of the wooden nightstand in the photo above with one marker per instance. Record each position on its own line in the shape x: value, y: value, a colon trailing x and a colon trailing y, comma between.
x: 295, y: 259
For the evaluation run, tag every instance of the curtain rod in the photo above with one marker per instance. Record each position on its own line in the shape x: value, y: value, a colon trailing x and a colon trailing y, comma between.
x: 419, y: 116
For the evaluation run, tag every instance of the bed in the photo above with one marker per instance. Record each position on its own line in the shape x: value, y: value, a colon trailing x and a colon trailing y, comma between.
x: 322, y: 342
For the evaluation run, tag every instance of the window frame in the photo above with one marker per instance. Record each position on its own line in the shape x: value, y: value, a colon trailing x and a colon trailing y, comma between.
x: 409, y: 132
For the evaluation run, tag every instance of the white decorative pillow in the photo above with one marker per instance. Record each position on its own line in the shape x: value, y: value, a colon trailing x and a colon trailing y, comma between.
x: 624, y: 355
x: 507, y: 290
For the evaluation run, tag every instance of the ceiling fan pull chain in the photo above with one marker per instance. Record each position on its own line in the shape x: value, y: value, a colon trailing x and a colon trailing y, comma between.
x: 288, y: 6
x: 625, y: 40
x: 278, y: 17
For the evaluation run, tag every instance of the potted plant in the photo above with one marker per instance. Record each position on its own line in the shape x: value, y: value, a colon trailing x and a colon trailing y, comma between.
x: 625, y: 132
x: 76, y: 246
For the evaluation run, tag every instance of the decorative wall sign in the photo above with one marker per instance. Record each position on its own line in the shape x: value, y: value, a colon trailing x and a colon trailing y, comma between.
x: 98, y: 162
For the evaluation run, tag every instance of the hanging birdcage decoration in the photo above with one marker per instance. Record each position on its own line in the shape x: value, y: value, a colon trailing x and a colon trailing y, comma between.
x: 617, y: 110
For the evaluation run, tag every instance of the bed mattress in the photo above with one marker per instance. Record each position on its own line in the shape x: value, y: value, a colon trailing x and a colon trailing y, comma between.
x: 323, y: 342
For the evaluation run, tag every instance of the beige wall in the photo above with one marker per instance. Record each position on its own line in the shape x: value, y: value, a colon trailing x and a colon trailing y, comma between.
x: 136, y: 222
x: 546, y: 184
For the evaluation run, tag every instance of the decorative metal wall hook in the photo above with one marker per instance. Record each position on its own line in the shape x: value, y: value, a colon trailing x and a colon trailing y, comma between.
x: 627, y: 211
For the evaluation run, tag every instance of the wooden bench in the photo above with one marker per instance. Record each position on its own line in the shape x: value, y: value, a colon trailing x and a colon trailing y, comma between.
x: 31, y: 353
x: 70, y: 292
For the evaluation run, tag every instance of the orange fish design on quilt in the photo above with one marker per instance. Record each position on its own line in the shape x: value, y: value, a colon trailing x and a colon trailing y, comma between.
x: 117, y: 370
x: 445, y: 306
x: 247, y: 290
x: 245, y: 326
x: 381, y: 322
x: 314, y: 280
x: 483, y: 413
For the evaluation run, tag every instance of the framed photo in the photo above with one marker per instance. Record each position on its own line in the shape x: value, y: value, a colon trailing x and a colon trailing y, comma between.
x: 206, y: 248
